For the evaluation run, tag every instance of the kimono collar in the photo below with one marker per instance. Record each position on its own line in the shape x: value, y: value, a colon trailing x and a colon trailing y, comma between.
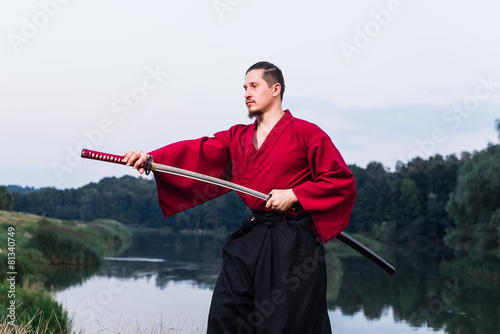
x: 278, y: 127
x: 271, y: 138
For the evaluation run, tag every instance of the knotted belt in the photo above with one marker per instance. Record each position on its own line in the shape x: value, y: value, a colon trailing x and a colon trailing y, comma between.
x: 270, y: 218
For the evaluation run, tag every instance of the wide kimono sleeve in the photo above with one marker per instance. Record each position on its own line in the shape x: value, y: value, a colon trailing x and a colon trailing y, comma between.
x: 329, y: 196
x: 207, y: 155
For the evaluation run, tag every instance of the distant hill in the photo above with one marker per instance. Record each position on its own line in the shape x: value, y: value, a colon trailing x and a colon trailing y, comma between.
x: 20, y: 190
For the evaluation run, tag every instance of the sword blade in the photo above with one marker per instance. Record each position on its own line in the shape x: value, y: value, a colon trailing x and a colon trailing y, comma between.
x: 208, y: 179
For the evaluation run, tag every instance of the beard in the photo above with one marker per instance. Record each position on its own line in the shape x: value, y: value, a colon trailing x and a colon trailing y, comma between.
x: 254, y: 113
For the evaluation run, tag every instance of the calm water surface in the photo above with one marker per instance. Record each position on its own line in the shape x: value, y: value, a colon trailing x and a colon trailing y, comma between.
x: 166, y: 280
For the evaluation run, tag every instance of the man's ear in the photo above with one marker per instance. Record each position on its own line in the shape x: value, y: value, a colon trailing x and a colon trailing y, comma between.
x: 276, y: 89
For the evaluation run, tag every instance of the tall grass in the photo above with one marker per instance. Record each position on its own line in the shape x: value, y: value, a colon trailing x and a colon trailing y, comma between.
x: 69, y: 242
x: 36, y: 311
x: 37, y: 325
x: 65, y: 244
x: 158, y: 327
x: 114, y: 235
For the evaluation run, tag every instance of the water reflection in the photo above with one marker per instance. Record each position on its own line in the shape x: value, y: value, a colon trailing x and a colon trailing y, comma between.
x: 420, y: 297
x: 62, y: 277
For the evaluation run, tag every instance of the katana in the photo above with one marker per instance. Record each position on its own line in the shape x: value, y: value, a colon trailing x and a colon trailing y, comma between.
x: 156, y: 167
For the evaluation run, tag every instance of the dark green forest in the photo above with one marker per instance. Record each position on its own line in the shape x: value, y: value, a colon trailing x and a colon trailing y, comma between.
x: 453, y: 201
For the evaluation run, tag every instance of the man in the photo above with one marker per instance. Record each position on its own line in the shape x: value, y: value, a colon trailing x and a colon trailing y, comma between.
x: 273, y: 277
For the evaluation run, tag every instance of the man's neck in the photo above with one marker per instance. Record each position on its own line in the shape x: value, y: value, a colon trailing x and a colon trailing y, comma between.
x: 268, y: 119
x: 265, y: 123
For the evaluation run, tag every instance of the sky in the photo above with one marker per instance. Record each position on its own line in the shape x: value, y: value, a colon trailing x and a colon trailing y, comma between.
x: 387, y: 80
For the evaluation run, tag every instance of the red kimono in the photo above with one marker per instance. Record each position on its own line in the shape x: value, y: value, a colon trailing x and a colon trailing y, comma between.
x: 296, y: 154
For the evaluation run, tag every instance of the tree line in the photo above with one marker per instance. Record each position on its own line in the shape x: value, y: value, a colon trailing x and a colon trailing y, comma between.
x: 426, y: 202
x: 130, y: 200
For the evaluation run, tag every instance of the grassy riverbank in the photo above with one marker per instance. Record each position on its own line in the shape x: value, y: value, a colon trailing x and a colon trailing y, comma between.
x: 29, y: 245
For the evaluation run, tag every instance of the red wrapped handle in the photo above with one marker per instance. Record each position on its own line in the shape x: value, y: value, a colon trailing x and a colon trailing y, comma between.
x: 117, y: 159
x: 94, y: 155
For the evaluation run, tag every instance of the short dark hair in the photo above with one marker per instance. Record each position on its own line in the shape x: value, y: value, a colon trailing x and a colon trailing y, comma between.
x: 272, y: 74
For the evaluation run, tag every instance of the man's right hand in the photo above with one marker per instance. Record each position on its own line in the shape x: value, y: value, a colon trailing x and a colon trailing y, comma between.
x: 136, y: 159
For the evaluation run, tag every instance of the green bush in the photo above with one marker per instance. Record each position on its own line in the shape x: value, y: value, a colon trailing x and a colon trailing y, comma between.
x: 114, y: 234
x: 68, y: 245
x: 36, y: 308
x: 29, y: 264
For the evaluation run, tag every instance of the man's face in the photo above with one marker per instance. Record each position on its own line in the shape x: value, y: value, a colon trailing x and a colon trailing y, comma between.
x: 258, y: 94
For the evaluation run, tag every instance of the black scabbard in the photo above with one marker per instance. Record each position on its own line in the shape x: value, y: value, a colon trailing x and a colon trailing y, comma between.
x: 356, y: 245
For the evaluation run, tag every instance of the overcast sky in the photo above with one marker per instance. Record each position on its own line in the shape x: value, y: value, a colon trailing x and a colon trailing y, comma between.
x: 387, y: 80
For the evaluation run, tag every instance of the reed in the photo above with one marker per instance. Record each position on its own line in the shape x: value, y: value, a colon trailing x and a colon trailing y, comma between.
x: 36, y: 311
x: 37, y: 325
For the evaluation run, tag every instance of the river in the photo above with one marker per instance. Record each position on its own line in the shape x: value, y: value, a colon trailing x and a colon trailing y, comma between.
x: 164, y: 282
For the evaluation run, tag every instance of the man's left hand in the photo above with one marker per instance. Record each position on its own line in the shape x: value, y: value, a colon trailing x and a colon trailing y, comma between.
x: 281, y: 200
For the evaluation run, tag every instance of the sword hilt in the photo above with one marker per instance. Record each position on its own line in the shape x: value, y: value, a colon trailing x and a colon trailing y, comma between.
x: 117, y: 159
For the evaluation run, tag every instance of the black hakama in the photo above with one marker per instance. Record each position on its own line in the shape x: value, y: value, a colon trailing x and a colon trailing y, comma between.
x: 273, y: 279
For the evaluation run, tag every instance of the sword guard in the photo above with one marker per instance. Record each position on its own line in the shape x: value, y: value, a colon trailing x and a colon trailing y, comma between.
x: 269, y: 197
x: 148, y: 164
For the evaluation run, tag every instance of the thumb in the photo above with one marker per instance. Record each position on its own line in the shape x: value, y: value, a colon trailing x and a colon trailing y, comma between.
x: 269, y: 200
